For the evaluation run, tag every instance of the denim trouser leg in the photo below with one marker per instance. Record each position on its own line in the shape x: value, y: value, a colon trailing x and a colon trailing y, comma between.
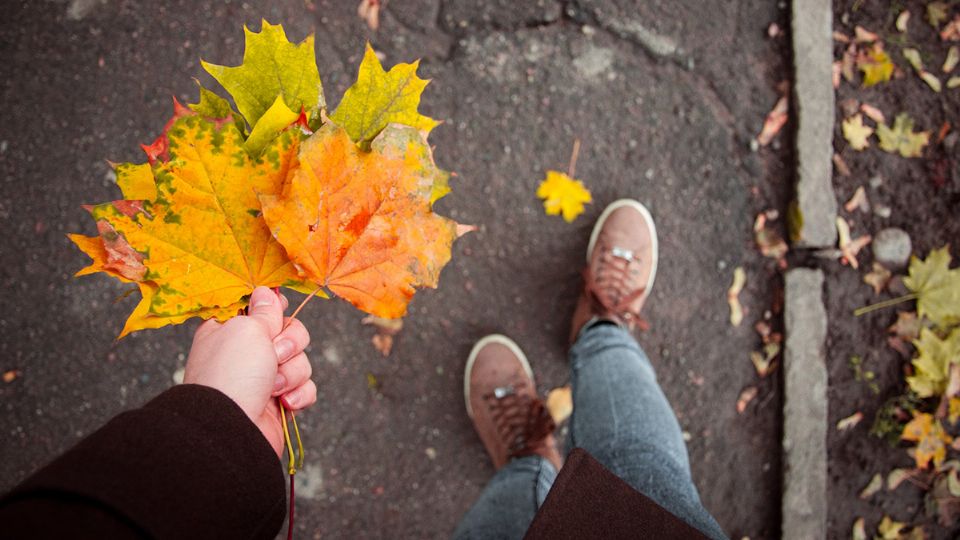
x: 622, y: 418
x: 509, y: 501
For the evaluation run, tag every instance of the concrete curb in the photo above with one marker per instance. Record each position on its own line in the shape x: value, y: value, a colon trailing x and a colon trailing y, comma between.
x: 812, y: 24
x: 804, y: 503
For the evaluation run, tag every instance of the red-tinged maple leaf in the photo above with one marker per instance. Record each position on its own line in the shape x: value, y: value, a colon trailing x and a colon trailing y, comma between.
x: 360, y: 223
x: 159, y: 148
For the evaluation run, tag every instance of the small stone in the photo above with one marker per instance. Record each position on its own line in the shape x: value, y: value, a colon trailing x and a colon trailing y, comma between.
x: 892, y: 248
x: 876, y: 181
x: 882, y: 210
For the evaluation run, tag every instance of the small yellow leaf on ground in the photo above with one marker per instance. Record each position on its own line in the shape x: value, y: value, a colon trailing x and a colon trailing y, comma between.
x: 931, y: 367
x: 859, y: 530
x: 953, y: 409
x: 913, y: 56
x: 875, y: 485
x: 901, y: 138
x: 733, y: 295
x: 875, y: 65
x: 856, y: 133
x: 932, y: 81
x: 563, y: 195
x: 954, y: 82
x: 897, y: 476
x: 889, y: 529
x: 930, y: 437
x: 560, y: 403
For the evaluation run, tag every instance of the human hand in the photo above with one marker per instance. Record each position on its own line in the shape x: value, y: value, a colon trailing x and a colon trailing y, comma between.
x: 252, y: 361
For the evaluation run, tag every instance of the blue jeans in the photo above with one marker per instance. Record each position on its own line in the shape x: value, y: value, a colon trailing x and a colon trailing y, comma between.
x: 622, y: 418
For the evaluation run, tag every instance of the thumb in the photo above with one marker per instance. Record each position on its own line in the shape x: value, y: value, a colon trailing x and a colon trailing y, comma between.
x: 267, y: 308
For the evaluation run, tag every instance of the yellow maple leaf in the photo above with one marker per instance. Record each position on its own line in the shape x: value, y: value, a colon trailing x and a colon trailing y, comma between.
x: 875, y: 65
x: 360, y: 222
x: 272, y: 66
x: 562, y: 194
x: 382, y: 97
x: 932, y: 365
x: 901, y: 137
x: 930, y: 437
x: 937, y: 287
x: 856, y: 133
x: 203, y: 241
x: 136, y: 181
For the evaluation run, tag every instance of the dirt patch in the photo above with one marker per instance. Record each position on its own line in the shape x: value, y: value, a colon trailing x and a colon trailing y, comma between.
x: 920, y: 196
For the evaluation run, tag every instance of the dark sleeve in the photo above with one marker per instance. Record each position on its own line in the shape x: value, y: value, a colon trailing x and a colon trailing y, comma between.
x: 589, y: 501
x: 189, y: 464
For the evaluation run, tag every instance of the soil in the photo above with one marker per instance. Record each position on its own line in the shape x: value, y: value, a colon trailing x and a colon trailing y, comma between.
x: 923, y: 195
x: 391, y: 452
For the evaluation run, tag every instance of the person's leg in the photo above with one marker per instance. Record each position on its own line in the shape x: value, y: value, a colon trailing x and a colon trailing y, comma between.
x: 517, y: 432
x: 509, y: 501
x: 620, y: 415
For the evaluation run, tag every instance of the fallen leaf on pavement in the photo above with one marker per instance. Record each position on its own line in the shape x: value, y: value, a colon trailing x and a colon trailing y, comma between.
x: 862, y: 35
x: 902, y: 21
x: 875, y: 485
x: 746, y: 396
x: 560, y: 403
x: 913, y: 57
x: 937, y: 287
x: 953, y: 82
x: 889, y: 529
x: 930, y: 437
x: 932, y: 81
x: 763, y: 363
x: 564, y: 195
x: 848, y: 62
x: 951, y: 32
x: 875, y: 65
x: 840, y: 37
x: 850, y: 247
x: 907, y: 326
x: 897, y: 476
x: 369, y: 11
x: 774, y: 122
x: 859, y: 530
x: 901, y: 138
x: 386, y: 329
x: 931, y: 367
x: 11, y: 375
x: 733, y: 295
x: 873, y: 113
x: 878, y: 278
x: 837, y: 72
x: 953, y: 58
x: 858, y: 201
x: 856, y: 133
x: 842, y: 168
x: 937, y: 13
x: 850, y: 421
x: 769, y: 241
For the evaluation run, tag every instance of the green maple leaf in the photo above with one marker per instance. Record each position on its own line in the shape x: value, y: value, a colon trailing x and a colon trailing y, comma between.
x: 380, y: 97
x: 932, y: 365
x: 272, y: 66
x: 213, y: 106
x: 901, y: 137
x: 937, y: 287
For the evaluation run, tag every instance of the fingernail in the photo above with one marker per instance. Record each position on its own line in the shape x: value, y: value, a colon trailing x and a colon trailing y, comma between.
x: 283, y: 347
x: 263, y: 298
x: 279, y: 383
x: 290, y: 400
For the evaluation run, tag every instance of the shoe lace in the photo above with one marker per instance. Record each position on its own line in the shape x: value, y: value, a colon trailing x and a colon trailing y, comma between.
x: 522, y: 421
x: 614, y: 284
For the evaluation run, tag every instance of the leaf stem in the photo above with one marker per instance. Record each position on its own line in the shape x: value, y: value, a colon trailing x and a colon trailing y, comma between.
x: 573, y: 158
x: 291, y: 468
x: 296, y: 311
x: 296, y: 431
x: 886, y: 303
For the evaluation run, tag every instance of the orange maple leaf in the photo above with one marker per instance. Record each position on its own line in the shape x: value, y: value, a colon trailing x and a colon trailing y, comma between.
x: 360, y: 223
x: 930, y: 437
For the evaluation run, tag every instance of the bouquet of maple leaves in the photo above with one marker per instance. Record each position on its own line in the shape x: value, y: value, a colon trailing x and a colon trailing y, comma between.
x: 279, y: 194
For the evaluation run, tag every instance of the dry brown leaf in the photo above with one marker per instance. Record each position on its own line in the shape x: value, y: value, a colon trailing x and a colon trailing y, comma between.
x: 770, y: 242
x: 841, y: 165
x: 850, y: 247
x: 840, y: 37
x: 862, y: 35
x: 875, y: 485
x: 733, y: 295
x: 873, y: 113
x: 11, y: 375
x: 849, y: 62
x: 369, y: 11
x: 951, y: 32
x: 878, y: 278
x: 858, y: 201
x: 774, y: 122
x: 746, y: 396
x: 837, y: 72
x: 386, y: 329
x: 560, y: 403
x: 907, y: 326
x: 850, y: 421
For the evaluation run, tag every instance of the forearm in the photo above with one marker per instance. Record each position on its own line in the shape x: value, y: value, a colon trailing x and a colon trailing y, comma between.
x: 188, y: 464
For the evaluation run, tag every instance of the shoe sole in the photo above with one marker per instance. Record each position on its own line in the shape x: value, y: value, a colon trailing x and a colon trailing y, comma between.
x: 653, y: 233
x: 492, y: 338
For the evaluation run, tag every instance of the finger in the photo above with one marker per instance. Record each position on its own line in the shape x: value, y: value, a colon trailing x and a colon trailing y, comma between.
x: 267, y: 309
x: 291, y: 341
x: 283, y: 298
x: 301, y: 397
x: 208, y: 326
x: 292, y: 374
